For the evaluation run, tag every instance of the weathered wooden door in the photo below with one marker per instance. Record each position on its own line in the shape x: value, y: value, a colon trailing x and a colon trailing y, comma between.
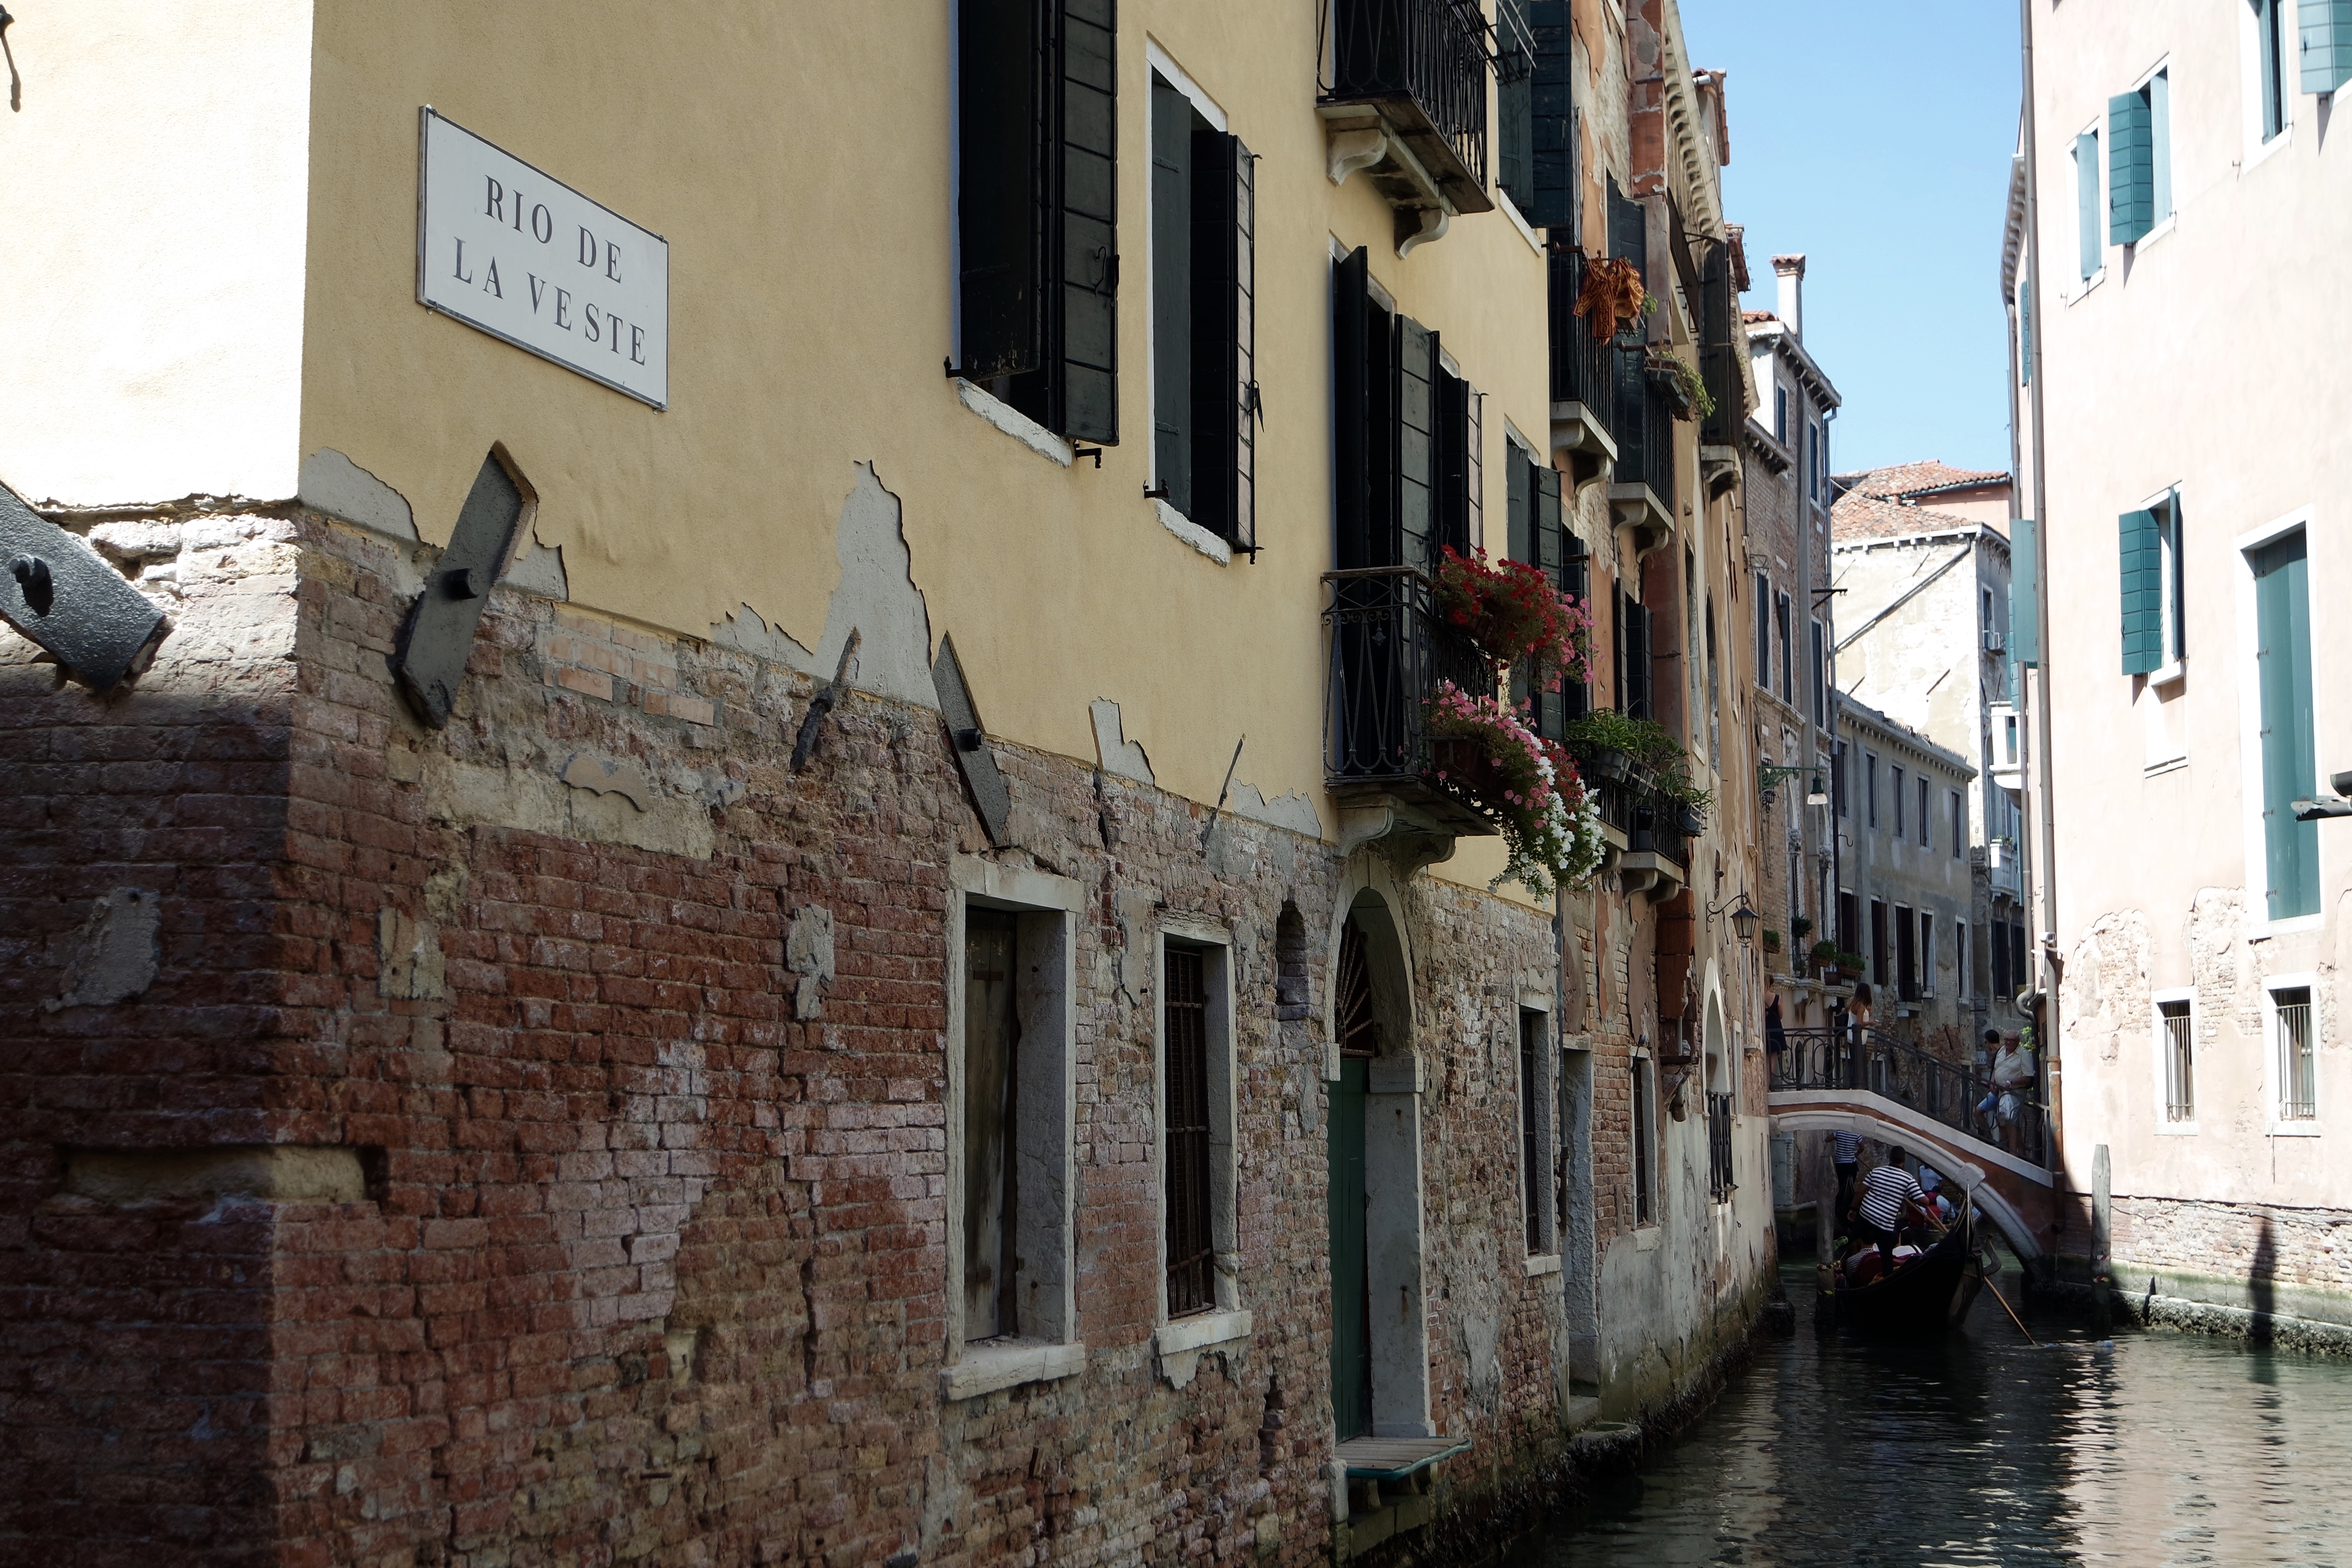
x: 992, y: 1035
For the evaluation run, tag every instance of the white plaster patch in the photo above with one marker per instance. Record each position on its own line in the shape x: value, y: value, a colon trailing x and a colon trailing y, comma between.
x: 603, y: 775
x: 1119, y: 755
x: 808, y: 952
x: 878, y: 599
x: 1293, y: 811
x: 114, y: 955
x: 333, y: 484
x: 409, y: 961
x: 534, y: 799
x: 744, y: 631
x: 540, y: 570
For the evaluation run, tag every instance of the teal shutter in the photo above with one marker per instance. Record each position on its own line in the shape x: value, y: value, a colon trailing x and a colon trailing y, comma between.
x: 2143, y: 593
x: 2290, y: 762
x: 2086, y: 192
x: 999, y: 191
x: 2025, y: 331
x: 1172, y: 295
x: 1552, y: 118
x: 2327, y: 29
x: 1086, y: 223
x: 2024, y: 595
x: 1416, y: 437
x: 2160, y: 146
x: 1551, y: 554
x: 1519, y: 538
x: 2131, y: 176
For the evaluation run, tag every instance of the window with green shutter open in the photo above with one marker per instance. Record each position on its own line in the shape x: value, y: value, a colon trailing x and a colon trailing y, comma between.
x: 2086, y: 199
x: 2325, y: 43
x: 2289, y: 755
x: 2140, y: 160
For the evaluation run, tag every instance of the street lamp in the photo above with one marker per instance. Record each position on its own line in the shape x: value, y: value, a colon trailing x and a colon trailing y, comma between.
x: 1744, y: 918
x: 2323, y: 806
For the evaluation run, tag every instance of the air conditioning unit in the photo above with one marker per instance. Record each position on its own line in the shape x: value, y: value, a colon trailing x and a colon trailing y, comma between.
x: 1994, y: 643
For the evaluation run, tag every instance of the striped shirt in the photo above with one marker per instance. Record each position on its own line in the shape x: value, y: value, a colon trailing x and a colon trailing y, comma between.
x: 1885, y: 1191
x: 1848, y: 1148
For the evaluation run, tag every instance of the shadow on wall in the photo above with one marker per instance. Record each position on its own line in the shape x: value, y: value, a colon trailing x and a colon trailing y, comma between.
x: 2261, y: 1283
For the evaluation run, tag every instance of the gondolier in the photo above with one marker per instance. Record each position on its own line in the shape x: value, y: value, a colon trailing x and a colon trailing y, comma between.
x: 1890, y: 1196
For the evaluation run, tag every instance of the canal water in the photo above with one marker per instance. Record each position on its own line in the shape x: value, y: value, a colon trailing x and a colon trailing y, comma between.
x: 2157, y: 1450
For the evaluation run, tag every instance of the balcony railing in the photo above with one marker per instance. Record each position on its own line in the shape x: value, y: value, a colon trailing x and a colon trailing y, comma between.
x: 1583, y: 367
x: 1942, y: 1091
x: 1390, y: 649
x: 1646, y: 428
x: 1426, y: 62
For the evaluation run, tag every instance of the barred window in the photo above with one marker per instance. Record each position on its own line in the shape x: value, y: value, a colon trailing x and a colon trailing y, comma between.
x: 2179, y: 1046
x: 1191, y: 1248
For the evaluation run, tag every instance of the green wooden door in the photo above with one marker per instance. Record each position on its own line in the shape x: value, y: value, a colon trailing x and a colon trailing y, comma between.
x: 2290, y: 764
x: 1351, y: 1327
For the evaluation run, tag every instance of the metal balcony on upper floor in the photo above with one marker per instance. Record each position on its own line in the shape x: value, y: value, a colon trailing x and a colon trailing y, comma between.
x: 1583, y: 376
x: 1403, y: 99
x: 1642, y: 490
x: 1390, y: 651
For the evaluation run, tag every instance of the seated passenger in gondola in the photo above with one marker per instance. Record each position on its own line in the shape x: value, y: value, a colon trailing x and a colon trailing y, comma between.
x: 1889, y: 1198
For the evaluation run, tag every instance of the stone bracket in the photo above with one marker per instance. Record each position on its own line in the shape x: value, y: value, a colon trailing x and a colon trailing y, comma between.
x: 59, y: 592
x: 970, y: 737
x: 438, y: 639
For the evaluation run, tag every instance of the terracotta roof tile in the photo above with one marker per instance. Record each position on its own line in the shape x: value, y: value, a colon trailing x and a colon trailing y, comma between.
x: 1857, y: 515
x: 1915, y: 479
x: 1752, y: 316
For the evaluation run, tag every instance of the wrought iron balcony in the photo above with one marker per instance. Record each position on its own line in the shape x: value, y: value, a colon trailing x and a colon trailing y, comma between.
x: 1642, y: 490
x: 1583, y: 374
x: 1405, y: 101
x: 1390, y: 651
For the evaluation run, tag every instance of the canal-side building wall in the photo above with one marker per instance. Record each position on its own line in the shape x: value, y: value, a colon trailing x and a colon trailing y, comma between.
x: 2196, y: 954
x: 555, y: 1131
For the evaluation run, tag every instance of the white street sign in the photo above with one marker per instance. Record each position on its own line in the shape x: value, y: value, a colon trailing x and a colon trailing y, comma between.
x: 524, y: 256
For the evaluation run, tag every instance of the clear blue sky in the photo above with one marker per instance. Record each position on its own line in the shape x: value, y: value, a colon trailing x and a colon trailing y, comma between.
x: 1876, y: 138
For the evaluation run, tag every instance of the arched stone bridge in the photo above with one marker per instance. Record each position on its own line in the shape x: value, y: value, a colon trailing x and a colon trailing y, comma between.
x: 2016, y: 1194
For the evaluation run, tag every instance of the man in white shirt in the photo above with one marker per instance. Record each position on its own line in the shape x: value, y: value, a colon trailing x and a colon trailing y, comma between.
x: 1889, y: 1198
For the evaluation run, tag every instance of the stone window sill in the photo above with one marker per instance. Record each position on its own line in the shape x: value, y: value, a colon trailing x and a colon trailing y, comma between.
x: 1182, y: 1342
x: 1547, y: 1264
x: 1013, y: 422
x: 988, y: 1365
x: 1192, y: 534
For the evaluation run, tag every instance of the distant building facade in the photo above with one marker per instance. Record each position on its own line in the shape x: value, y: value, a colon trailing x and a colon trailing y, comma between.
x: 1790, y: 632
x: 2173, y: 268
x: 1921, y: 558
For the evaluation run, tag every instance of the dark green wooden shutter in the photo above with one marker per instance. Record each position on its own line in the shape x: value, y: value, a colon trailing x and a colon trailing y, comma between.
x: 1086, y: 393
x: 1551, y: 554
x: 1171, y: 296
x: 2086, y: 192
x: 2025, y: 328
x: 2290, y: 759
x: 2131, y: 174
x: 1224, y: 389
x: 1352, y: 448
x: 1001, y: 199
x: 1629, y: 229
x: 1718, y: 360
x: 1416, y: 443
x: 2143, y: 593
x: 1518, y: 535
x: 1514, y: 92
x: 1456, y: 464
x: 2326, y: 29
x: 1552, y: 118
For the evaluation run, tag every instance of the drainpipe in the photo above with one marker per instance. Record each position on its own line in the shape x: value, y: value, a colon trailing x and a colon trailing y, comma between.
x: 2051, y: 1023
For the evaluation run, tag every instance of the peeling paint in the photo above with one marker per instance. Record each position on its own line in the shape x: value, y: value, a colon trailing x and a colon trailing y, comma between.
x: 604, y: 777
x: 1119, y: 756
x: 808, y: 952
x: 409, y: 966
x: 333, y: 484
x: 1293, y: 811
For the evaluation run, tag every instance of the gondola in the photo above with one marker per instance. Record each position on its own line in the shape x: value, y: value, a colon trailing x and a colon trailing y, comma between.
x: 1927, y: 1296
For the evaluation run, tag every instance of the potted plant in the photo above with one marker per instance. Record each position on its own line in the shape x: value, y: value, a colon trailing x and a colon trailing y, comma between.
x: 1679, y: 381
x: 1621, y: 749
x: 1551, y: 823
x: 1824, y: 955
x: 1850, y: 965
x: 1772, y: 940
x: 1518, y: 618
x: 1801, y: 928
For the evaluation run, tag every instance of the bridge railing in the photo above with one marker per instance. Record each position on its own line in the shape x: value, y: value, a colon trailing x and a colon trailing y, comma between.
x: 1942, y: 1091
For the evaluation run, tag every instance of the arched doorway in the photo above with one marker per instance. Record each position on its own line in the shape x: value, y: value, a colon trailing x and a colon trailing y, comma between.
x: 1380, y: 1363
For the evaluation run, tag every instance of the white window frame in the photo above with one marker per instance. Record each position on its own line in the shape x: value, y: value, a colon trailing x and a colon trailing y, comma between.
x: 1050, y: 908
x: 1159, y: 64
x: 2169, y: 220
x: 2249, y: 86
x: 2171, y: 541
x: 2250, y: 727
x: 1179, y: 1342
x: 2160, y: 1061
x: 2273, y: 1088
x: 2083, y: 286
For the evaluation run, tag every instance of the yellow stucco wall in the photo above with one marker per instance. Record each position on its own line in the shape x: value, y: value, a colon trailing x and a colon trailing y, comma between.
x: 797, y: 160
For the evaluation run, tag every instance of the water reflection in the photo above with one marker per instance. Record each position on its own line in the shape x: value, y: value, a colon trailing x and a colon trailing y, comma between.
x: 2164, y: 1449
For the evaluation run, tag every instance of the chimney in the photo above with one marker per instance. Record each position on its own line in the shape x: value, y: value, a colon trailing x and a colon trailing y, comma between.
x: 1792, y: 270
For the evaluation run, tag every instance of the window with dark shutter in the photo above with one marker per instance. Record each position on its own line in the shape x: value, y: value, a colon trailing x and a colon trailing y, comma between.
x: 1416, y: 470
x: 1173, y: 120
x: 1191, y: 1248
x: 1551, y: 118
x: 1878, y: 947
x: 1536, y: 537
x: 1036, y: 210
x: 1224, y: 339
x: 1515, y: 104
x: 1457, y: 462
x: 1364, y: 444
x: 1634, y: 684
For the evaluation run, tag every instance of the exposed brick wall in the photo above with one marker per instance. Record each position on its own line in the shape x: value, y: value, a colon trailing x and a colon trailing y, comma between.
x: 647, y: 1267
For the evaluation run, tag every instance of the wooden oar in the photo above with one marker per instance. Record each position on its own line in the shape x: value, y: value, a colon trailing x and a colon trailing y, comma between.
x: 2012, y: 1314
